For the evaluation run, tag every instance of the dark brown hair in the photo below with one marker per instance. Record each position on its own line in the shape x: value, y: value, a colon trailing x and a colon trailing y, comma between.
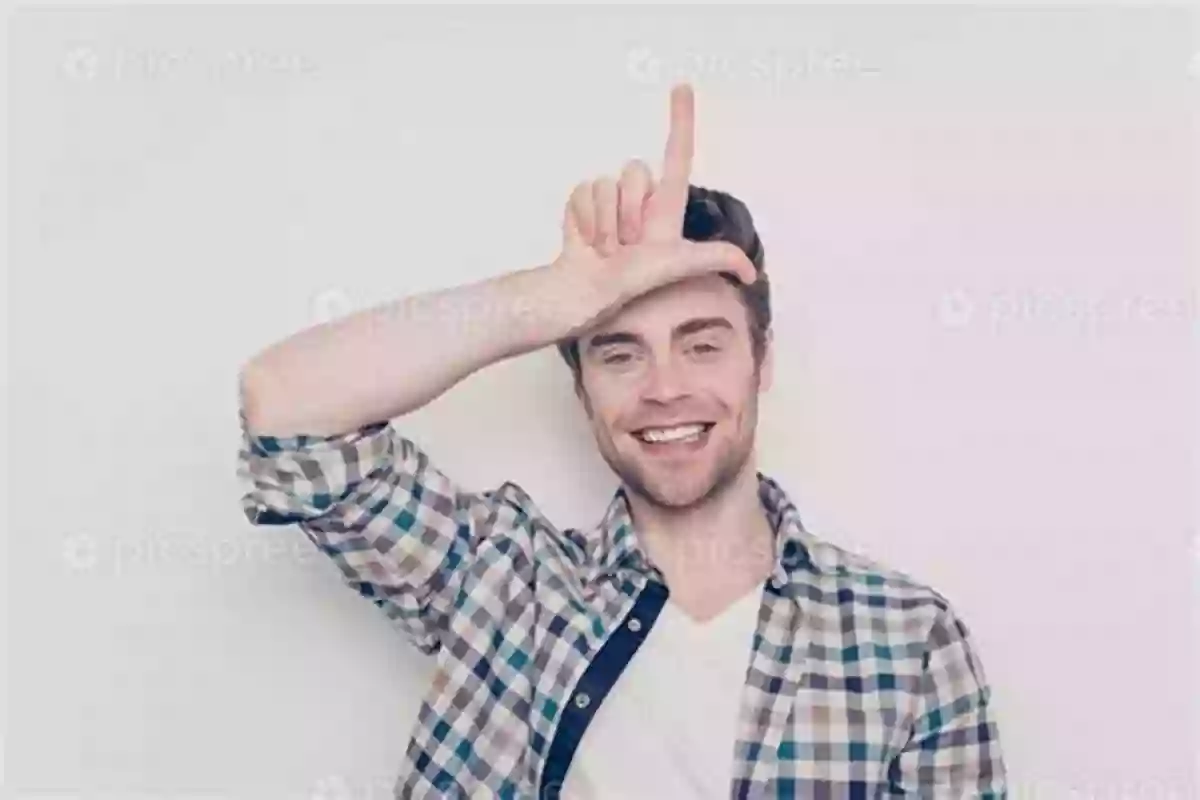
x: 713, y: 215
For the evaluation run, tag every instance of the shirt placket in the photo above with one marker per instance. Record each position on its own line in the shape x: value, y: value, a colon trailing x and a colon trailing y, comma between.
x: 594, y: 685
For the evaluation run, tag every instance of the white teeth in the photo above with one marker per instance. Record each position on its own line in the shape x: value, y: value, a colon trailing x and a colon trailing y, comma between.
x: 672, y: 434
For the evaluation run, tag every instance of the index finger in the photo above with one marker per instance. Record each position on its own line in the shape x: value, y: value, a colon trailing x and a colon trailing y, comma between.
x: 677, y: 162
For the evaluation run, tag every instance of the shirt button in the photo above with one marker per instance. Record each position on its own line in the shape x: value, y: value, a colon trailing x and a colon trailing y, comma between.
x: 582, y: 700
x: 635, y: 624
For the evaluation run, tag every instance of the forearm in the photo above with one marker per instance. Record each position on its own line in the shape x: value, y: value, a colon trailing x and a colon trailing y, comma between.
x: 392, y: 359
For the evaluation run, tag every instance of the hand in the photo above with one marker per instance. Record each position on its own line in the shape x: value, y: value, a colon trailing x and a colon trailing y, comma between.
x: 621, y: 240
x: 607, y: 213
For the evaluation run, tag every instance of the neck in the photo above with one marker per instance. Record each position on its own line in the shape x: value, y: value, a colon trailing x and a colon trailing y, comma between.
x: 727, y: 541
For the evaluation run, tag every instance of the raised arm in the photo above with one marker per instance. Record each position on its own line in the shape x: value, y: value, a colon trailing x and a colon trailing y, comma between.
x: 384, y: 362
x: 318, y: 446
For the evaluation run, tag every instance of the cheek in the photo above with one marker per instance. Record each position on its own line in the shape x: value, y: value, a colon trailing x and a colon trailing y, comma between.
x: 609, y: 401
x: 605, y: 413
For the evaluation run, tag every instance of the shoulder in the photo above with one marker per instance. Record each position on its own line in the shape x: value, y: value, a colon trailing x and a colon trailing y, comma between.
x: 853, y: 600
x: 526, y: 526
x: 859, y: 585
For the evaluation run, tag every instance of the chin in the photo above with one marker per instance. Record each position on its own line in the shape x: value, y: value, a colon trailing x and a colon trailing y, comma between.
x: 680, y: 497
x: 667, y: 488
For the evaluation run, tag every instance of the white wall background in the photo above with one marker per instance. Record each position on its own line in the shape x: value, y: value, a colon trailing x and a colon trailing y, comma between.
x: 981, y: 227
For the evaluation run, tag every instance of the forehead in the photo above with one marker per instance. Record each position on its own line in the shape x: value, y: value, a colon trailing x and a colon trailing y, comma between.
x: 667, y: 306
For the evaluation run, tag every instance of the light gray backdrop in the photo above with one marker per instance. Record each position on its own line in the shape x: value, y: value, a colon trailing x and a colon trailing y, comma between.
x: 979, y: 225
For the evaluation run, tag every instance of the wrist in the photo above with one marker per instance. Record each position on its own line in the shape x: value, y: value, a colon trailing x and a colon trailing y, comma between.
x: 542, y: 305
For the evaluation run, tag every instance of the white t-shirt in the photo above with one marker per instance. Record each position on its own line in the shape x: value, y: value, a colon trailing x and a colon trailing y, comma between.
x: 667, y: 728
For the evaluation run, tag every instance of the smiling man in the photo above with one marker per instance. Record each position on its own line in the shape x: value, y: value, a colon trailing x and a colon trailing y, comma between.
x: 698, y: 642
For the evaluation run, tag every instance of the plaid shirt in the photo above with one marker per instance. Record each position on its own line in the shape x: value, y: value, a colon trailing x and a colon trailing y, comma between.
x: 862, y: 683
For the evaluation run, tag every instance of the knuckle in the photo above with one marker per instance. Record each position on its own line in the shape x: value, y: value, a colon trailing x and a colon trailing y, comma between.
x: 637, y: 167
x: 634, y: 180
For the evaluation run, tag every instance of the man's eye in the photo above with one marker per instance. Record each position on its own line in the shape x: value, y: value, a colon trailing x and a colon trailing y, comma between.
x: 616, y: 358
x: 706, y: 348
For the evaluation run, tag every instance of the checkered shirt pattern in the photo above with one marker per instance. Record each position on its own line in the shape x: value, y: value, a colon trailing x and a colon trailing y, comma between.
x: 861, y: 682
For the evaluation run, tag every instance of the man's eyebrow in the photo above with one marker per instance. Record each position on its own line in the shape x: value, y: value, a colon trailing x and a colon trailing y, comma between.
x: 686, y: 328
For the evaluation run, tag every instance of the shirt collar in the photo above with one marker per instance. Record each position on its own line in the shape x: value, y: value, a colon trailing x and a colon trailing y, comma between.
x: 614, y: 543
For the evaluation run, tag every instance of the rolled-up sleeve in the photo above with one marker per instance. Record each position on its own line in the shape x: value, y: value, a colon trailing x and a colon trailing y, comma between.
x: 302, y: 478
x: 399, y: 530
x: 954, y: 748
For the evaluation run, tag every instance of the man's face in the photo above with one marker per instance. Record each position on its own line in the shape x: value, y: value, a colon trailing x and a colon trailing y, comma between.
x: 678, y: 355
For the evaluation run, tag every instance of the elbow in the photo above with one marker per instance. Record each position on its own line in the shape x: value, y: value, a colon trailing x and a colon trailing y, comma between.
x: 253, y: 393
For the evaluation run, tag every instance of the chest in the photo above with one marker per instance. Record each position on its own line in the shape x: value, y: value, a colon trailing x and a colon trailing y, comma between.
x: 670, y: 724
x: 770, y: 690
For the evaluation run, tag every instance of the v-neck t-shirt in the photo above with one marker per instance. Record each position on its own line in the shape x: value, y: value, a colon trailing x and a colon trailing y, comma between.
x: 668, y: 728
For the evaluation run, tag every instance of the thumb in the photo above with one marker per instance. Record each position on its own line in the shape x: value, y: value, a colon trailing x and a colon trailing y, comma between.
x: 697, y: 258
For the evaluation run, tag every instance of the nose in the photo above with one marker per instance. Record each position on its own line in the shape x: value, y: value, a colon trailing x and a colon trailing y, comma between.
x: 666, y: 381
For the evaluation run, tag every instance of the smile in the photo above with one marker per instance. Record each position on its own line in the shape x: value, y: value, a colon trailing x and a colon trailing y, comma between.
x: 691, y: 433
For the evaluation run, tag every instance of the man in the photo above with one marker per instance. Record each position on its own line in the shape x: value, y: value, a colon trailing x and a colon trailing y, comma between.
x: 698, y: 642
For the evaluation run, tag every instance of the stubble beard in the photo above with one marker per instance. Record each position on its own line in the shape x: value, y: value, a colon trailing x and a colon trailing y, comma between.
x: 659, y: 487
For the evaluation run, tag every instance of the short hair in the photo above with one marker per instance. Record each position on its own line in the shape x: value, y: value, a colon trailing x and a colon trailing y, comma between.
x: 713, y: 215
